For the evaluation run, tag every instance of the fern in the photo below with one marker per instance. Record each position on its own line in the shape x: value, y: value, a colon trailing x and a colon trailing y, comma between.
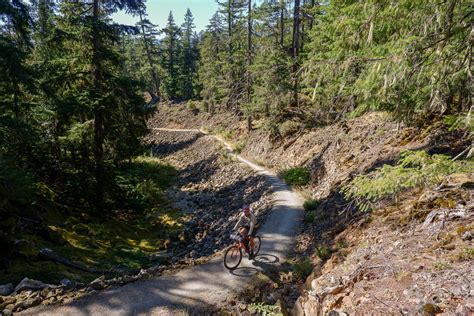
x: 265, y: 309
x: 415, y: 168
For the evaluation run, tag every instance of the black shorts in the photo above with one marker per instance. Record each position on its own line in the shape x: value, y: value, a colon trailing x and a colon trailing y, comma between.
x: 247, y: 227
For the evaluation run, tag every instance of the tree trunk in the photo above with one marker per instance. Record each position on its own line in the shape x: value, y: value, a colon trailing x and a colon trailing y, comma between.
x: 98, y: 112
x: 249, y: 63
x: 282, y: 24
x: 156, y: 84
x: 295, y: 51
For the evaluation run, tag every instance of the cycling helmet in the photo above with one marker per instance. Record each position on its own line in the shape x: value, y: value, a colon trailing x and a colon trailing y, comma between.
x: 246, y: 209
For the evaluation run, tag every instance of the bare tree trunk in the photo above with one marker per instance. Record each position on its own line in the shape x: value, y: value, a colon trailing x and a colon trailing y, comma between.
x: 156, y: 84
x: 249, y: 63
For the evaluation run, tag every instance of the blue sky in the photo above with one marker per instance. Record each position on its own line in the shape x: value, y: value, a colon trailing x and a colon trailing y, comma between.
x: 158, y: 11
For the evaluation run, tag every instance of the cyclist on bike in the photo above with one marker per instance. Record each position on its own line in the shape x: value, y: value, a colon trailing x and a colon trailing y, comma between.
x: 246, y: 222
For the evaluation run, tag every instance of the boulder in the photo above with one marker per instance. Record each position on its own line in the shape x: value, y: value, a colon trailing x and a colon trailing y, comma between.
x: 298, y: 308
x: 6, y: 289
x: 67, y: 283
x: 22, y: 305
x: 29, y: 284
x: 98, y: 284
x: 7, y: 312
x: 312, y: 306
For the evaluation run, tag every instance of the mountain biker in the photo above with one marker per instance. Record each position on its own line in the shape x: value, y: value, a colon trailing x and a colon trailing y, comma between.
x: 246, y: 222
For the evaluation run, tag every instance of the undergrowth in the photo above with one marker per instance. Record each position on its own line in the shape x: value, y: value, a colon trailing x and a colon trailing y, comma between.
x: 296, y: 176
x: 414, y: 168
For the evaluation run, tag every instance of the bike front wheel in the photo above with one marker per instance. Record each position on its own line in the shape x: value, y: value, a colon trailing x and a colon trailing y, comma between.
x: 257, y: 241
x: 232, y: 257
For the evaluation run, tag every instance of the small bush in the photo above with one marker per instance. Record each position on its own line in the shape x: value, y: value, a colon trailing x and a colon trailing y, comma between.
x: 191, y: 105
x: 310, y: 204
x: 296, y: 176
x: 303, y: 268
x: 323, y: 252
x: 265, y: 309
x: 341, y: 244
x: 288, y: 128
x: 466, y: 254
x: 239, y: 146
x: 310, y: 216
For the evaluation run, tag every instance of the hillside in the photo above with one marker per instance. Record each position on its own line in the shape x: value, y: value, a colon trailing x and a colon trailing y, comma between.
x: 411, y: 253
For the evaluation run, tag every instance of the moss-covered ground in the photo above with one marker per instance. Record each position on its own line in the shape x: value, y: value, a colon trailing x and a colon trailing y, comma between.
x: 125, y: 239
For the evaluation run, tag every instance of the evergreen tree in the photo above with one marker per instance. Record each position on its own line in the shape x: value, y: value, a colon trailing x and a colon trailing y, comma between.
x: 211, y: 49
x: 148, y: 31
x: 189, y: 56
x: 171, y: 51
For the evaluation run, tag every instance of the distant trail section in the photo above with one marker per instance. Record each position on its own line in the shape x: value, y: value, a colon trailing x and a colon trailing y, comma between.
x: 203, y: 285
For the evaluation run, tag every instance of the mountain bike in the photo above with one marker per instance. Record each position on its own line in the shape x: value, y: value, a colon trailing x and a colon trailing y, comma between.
x: 233, y: 255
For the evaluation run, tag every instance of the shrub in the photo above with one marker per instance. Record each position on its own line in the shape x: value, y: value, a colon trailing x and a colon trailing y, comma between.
x: 191, y: 105
x: 296, y: 176
x: 303, y: 269
x: 310, y: 216
x: 466, y: 254
x: 341, y: 244
x: 239, y: 146
x: 288, y: 128
x: 264, y: 309
x: 414, y: 168
x: 310, y: 204
x: 323, y: 252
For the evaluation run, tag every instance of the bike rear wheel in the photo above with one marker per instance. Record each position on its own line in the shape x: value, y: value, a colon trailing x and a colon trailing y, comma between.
x: 232, y: 257
x: 257, y: 241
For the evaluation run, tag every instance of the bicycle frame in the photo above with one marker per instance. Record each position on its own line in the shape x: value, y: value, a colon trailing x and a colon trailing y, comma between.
x: 241, y: 244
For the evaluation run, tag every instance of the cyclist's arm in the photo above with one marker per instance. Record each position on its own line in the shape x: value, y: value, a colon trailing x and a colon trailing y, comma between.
x: 238, y: 223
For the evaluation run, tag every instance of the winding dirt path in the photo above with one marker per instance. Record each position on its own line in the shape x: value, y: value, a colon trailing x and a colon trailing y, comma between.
x: 207, y: 284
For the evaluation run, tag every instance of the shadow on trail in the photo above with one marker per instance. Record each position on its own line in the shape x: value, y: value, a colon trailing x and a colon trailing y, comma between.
x: 244, y: 272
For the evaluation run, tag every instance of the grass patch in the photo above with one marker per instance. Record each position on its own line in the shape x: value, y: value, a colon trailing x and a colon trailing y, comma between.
x: 226, y: 134
x: 303, y: 268
x: 467, y: 254
x: 323, y: 252
x: 239, y: 146
x: 341, y: 244
x: 310, y: 216
x: 297, y: 176
x: 442, y: 265
x: 310, y: 204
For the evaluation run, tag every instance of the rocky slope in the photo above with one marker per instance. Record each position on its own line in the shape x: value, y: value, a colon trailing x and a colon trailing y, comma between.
x: 212, y: 188
x: 413, y: 254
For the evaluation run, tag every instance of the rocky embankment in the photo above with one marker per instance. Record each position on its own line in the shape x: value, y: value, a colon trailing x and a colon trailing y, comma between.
x: 210, y: 191
x: 412, y: 255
